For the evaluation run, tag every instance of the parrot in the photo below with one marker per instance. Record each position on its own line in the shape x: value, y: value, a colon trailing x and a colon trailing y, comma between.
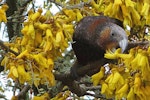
x: 93, y: 35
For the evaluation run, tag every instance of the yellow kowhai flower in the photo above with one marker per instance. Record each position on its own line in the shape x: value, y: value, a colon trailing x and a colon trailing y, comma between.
x: 41, y: 60
x: 3, y: 13
x: 144, y: 65
x: 31, y: 31
x: 122, y: 92
x: 141, y: 94
x: 98, y: 76
x: 23, y: 75
x: 36, y: 15
x: 70, y: 13
x: 127, y: 58
x: 4, y: 61
x: 136, y: 60
x: 131, y: 94
x: 130, y: 3
x: 137, y: 82
x: 46, y: 75
x: 110, y: 55
x: 25, y: 28
x: 145, y: 9
x: 115, y: 80
x: 13, y: 73
x: 79, y: 15
x: 146, y: 90
x: 106, y: 90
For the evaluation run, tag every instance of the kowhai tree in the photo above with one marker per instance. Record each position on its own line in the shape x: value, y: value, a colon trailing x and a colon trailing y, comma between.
x: 37, y: 59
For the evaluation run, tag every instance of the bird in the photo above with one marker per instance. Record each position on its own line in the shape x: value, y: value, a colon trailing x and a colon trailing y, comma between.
x: 93, y: 35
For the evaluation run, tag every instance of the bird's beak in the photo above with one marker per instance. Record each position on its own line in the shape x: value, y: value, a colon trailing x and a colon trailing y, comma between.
x: 123, y: 44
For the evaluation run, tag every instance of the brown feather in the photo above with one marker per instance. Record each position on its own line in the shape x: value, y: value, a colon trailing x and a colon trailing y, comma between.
x: 92, y: 37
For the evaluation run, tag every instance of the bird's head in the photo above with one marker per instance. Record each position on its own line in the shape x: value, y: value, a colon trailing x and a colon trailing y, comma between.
x: 111, y: 37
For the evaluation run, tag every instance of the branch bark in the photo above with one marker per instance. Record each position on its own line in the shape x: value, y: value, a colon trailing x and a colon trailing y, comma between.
x: 7, y: 49
x: 15, y: 9
x: 89, y: 69
x: 11, y: 10
x: 22, y: 94
x: 137, y: 43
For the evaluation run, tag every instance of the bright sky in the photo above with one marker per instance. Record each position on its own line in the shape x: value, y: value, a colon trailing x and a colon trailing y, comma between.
x: 3, y: 36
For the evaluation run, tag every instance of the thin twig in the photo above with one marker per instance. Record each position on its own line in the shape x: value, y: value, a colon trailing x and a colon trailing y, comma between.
x: 16, y: 16
x: 16, y: 21
x: 79, y: 5
x: 7, y: 48
x: 24, y: 5
x: 93, y: 88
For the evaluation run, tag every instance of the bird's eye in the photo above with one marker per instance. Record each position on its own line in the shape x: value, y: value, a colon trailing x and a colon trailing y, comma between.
x: 112, y: 34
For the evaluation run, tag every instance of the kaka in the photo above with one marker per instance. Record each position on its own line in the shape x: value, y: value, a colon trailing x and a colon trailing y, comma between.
x: 93, y: 36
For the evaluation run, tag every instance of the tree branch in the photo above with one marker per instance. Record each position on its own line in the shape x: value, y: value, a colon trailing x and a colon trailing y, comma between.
x: 79, y: 5
x: 90, y: 69
x: 15, y: 9
x: 23, y: 92
x: 137, y: 43
x: 11, y: 10
x: 93, y: 88
x: 24, y: 5
x: 7, y: 48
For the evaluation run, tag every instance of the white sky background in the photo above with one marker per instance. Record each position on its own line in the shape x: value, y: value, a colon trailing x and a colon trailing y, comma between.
x: 3, y: 35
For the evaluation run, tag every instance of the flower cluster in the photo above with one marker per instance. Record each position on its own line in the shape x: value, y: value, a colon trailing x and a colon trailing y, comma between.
x: 3, y: 9
x: 129, y: 80
x: 131, y: 12
x: 44, y: 38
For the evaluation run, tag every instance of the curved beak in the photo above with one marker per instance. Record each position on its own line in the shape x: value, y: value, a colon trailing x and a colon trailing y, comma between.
x: 123, y: 44
x: 121, y: 37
